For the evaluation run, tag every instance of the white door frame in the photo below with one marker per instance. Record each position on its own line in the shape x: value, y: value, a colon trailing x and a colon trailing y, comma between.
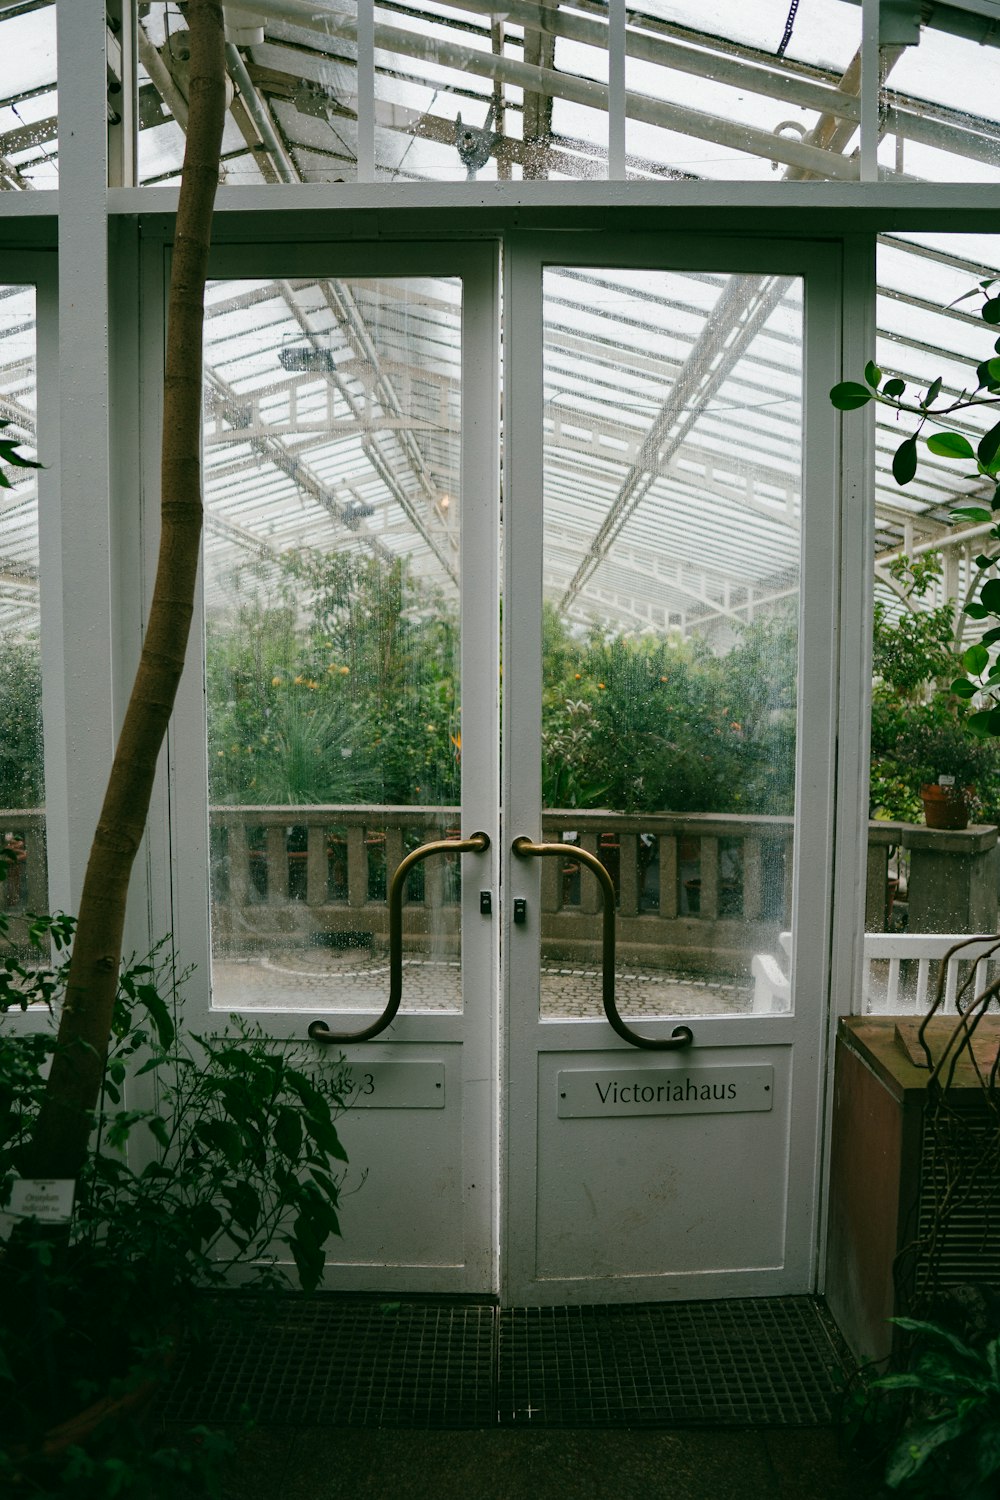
x: 527, y: 1036
x: 465, y: 1197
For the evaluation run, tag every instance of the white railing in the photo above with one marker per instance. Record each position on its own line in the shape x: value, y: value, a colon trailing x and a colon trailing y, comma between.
x: 900, y: 973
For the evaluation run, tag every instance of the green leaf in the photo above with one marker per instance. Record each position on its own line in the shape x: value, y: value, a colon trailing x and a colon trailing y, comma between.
x: 873, y: 374
x: 963, y: 688
x: 984, y: 561
x: 917, y: 1444
x: 244, y: 1205
x: 9, y: 455
x: 904, y: 461
x: 205, y: 1219
x: 991, y: 310
x: 950, y: 445
x: 159, y: 1129
x: 988, y: 374
x: 324, y: 1133
x: 159, y: 1014
x: 976, y: 611
x: 220, y: 1135
x: 989, y: 636
x: 989, y: 595
x: 849, y: 395
x: 989, y: 444
x: 894, y: 387
x: 933, y: 392
x: 988, y: 1451
x: 288, y: 1133
x: 985, y: 724
x: 976, y: 660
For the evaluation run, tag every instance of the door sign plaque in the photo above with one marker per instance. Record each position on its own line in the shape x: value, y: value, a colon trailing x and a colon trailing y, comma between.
x: 393, y: 1085
x: 586, y: 1093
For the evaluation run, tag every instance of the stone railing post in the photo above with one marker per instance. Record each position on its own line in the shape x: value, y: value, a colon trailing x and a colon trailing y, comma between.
x: 708, y: 905
x: 393, y: 854
x: 591, y: 900
x: 753, y: 879
x: 276, y: 843
x: 628, y: 874
x: 317, y: 865
x: 953, y: 878
x: 238, y: 856
x: 667, y: 851
x: 357, y: 867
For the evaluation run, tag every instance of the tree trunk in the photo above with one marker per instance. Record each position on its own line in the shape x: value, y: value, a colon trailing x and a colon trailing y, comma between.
x: 61, y: 1138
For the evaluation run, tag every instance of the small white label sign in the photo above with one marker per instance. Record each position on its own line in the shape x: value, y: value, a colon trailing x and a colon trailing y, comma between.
x: 47, y: 1199
x: 394, y: 1085
x: 589, y: 1094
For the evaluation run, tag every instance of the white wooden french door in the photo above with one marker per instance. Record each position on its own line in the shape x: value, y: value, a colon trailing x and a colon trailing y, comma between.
x: 525, y: 1126
x: 680, y: 1160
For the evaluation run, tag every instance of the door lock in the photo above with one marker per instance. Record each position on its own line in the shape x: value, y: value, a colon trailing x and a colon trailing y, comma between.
x: 520, y: 910
x: 485, y: 903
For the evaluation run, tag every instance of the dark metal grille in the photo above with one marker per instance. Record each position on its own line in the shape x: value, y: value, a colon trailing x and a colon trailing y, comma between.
x: 353, y: 1361
x: 758, y: 1362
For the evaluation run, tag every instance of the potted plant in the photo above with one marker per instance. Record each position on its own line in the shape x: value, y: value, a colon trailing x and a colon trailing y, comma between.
x: 951, y: 769
x: 234, y: 1154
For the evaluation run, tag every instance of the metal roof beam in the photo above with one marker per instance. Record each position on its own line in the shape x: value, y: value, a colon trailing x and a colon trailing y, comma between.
x: 741, y: 312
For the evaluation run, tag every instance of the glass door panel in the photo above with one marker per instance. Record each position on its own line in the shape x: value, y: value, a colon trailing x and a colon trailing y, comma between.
x: 672, y: 505
x: 333, y: 501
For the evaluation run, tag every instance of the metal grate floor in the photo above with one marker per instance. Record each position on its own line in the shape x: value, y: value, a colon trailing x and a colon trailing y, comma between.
x: 763, y: 1362
x: 352, y: 1361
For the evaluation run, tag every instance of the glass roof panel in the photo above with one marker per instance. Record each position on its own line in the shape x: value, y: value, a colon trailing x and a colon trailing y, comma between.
x: 943, y: 115
x: 930, y: 328
x: 719, y: 90
x: 29, y: 150
x: 19, y: 607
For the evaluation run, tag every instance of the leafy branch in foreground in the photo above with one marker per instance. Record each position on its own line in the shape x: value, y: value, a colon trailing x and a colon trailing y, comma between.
x: 977, y: 690
x: 10, y: 455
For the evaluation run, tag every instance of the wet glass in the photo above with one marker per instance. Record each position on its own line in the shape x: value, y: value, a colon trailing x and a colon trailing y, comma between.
x: 332, y: 575
x: 29, y: 147
x: 672, y: 499
x: 22, y: 773
x: 463, y: 92
x: 934, y: 794
x: 942, y: 122
x: 294, y: 112
x: 712, y: 96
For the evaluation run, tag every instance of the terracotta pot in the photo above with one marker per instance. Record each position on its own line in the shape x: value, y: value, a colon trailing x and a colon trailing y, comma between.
x: 945, y: 806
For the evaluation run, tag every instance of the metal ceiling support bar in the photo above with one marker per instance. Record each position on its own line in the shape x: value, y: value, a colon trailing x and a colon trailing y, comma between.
x: 871, y: 85
x: 733, y: 66
x: 249, y: 541
x: 741, y: 312
x: 259, y: 114
x: 161, y: 77
x: 616, y: 90
x: 548, y: 83
x: 366, y: 91
x: 349, y: 319
x: 299, y: 472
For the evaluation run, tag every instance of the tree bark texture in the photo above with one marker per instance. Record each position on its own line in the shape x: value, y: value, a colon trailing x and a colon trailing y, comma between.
x: 61, y: 1138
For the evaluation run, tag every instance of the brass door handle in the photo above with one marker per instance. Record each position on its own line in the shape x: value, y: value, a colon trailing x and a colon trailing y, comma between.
x: 682, y: 1036
x: 477, y: 843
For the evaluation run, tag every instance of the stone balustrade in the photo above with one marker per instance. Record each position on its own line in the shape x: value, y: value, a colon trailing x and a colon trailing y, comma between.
x: 695, y: 890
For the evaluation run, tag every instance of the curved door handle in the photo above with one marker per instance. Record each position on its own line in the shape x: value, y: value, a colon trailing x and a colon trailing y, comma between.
x: 477, y: 843
x: 682, y: 1035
